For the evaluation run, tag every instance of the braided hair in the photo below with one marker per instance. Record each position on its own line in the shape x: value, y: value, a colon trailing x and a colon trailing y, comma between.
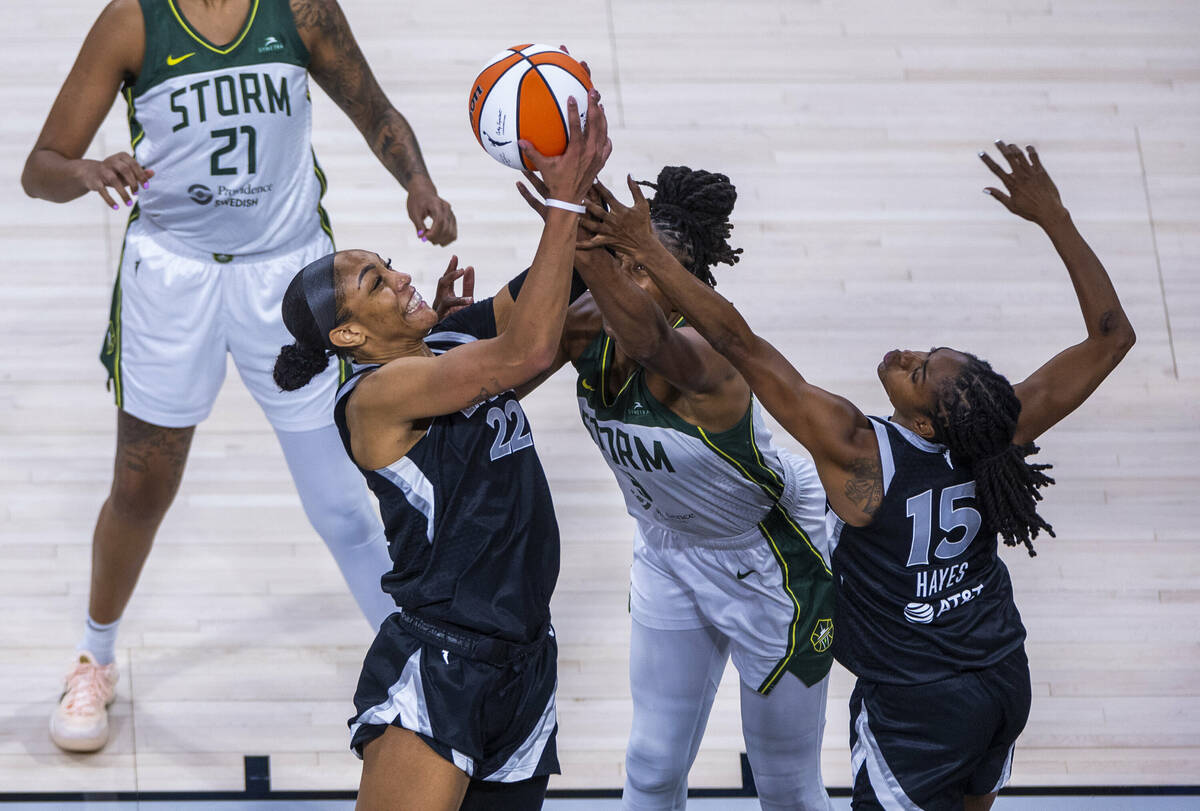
x: 975, y: 416
x: 693, y: 207
x: 304, y: 359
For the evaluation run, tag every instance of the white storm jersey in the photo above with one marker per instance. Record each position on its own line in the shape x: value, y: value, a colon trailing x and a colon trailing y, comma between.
x: 226, y: 130
x: 673, y: 474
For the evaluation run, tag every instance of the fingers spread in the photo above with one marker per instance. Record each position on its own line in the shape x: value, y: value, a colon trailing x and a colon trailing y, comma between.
x: 638, y: 197
x: 1004, y: 199
x: 537, y: 205
x: 536, y: 182
x: 996, y: 170
x: 610, y: 201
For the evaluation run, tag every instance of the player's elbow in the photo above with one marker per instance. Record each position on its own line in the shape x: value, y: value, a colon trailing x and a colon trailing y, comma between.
x: 1118, y: 334
x: 533, y: 360
x: 736, y: 345
x: 29, y: 179
x: 645, y: 348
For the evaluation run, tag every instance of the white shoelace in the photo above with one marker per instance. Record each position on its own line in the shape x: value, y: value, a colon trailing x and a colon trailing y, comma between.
x: 86, y: 688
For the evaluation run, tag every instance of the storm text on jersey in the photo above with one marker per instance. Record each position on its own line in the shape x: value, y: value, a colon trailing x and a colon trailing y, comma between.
x: 230, y: 95
x: 625, y: 450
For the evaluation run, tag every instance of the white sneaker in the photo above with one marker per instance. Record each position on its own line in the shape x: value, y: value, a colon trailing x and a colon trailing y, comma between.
x: 80, y: 721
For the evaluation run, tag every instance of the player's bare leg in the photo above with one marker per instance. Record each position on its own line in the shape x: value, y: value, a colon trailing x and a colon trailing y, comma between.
x: 146, y: 475
x: 401, y: 773
x: 978, y: 802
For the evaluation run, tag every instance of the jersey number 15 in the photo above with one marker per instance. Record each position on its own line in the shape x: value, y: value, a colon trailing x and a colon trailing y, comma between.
x: 950, y: 518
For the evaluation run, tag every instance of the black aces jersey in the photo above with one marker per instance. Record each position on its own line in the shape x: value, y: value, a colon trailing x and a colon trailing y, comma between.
x: 921, y: 592
x: 467, y: 511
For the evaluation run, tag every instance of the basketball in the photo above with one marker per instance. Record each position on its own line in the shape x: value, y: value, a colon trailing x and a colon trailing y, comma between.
x: 522, y: 92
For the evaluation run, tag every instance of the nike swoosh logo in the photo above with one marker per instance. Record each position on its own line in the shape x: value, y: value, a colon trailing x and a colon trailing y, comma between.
x: 172, y: 61
x: 743, y: 575
x: 586, y: 386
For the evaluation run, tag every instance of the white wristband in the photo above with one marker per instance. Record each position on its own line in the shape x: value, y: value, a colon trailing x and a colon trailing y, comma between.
x: 565, y: 206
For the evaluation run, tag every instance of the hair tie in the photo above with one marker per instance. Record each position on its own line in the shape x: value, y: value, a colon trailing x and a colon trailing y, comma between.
x: 317, y: 280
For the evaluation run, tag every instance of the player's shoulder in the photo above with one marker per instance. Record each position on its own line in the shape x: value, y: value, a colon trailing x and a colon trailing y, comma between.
x: 117, y: 39
x: 121, y: 22
x: 123, y: 16
x: 316, y: 16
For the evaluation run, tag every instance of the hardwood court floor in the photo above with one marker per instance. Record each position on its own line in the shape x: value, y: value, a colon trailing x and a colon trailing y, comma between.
x: 851, y: 130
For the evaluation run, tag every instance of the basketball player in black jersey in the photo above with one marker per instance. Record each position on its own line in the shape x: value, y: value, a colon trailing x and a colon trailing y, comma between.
x: 925, y: 614
x: 455, y: 704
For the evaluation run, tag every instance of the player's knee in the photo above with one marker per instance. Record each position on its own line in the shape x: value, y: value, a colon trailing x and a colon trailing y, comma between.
x: 652, y: 768
x: 790, y: 792
x: 342, y: 519
x: 140, y: 498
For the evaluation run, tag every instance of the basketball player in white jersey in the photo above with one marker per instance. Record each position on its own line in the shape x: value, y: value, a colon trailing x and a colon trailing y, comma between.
x: 729, y: 554
x: 224, y: 197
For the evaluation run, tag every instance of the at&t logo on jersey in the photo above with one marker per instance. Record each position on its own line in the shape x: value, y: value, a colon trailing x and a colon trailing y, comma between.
x: 923, y: 613
x: 920, y: 613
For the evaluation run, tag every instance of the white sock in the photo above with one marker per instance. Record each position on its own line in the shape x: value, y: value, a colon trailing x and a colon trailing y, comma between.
x: 100, y: 640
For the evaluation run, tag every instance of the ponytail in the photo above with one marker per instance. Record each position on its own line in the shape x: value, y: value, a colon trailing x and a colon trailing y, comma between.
x: 301, y: 361
x: 976, y: 418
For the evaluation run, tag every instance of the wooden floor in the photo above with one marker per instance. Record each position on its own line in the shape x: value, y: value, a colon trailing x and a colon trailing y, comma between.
x: 851, y: 130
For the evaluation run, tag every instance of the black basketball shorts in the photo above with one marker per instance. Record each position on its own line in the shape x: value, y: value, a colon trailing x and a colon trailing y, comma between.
x: 922, y: 747
x: 494, y: 722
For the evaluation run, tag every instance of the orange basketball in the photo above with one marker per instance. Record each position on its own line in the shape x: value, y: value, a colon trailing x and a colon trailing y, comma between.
x: 522, y: 92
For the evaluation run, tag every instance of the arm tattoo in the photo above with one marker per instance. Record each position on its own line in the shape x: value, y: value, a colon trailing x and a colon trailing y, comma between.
x: 864, y: 488
x: 485, y: 394
x: 342, y: 71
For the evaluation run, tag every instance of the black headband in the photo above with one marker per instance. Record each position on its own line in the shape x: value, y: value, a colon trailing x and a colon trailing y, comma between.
x: 318, y: 283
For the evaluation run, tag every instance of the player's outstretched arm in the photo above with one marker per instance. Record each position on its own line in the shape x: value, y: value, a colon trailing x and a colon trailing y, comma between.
x: 339, y: 67
x: 56, y: 169
x: 412, y: 388
x: 1066, y: 380
x: 834, y: 431
x: 638, y: 324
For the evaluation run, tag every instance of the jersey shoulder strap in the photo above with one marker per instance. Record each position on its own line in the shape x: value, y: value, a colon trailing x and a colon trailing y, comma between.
x: 342, y: 399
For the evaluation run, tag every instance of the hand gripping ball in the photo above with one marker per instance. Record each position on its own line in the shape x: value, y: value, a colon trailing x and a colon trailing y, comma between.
x: 522, y: 93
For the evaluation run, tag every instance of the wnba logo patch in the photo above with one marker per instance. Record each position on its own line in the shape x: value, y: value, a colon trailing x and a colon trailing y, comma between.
x: 822, y: 635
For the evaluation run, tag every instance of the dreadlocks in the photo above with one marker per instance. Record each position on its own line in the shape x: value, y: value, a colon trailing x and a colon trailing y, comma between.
x: 693, y: 208
x: 975, y: 417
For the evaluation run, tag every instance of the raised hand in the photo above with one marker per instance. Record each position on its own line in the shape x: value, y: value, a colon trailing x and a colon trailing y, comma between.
x: 1031, y: 193
x: 445, y: 301
x: 625, y: 229
x: 424, y: 204
x: 119, y: 171
x: 535, y: 203
x: 569, y: 176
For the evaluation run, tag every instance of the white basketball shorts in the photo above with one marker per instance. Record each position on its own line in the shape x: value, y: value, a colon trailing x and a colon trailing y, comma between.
x: 176, y: 312
x: 773, y: 619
